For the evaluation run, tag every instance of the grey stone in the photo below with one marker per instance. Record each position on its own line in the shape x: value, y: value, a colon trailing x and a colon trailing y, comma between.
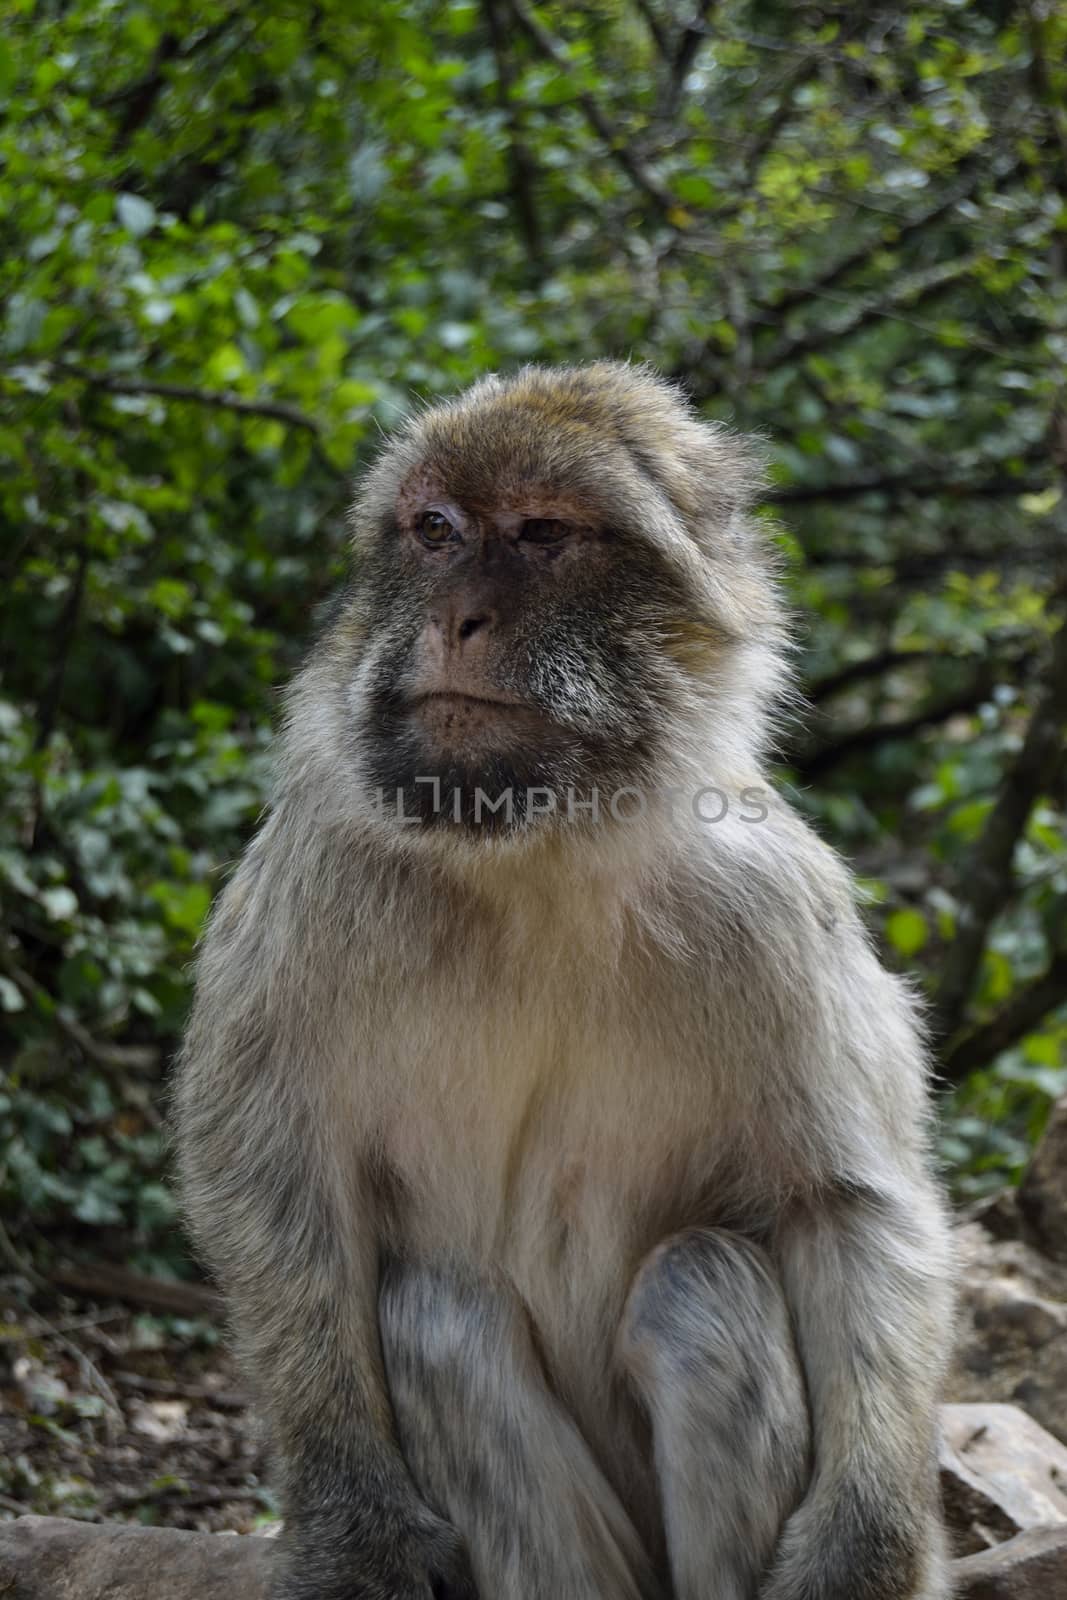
x: 54, y: 1558
x: 1032, y: 1566
x: 1011, y: 1339
x: 1001, y: 1473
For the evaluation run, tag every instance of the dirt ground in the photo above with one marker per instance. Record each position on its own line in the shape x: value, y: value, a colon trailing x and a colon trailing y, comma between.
x: 109, y: 1413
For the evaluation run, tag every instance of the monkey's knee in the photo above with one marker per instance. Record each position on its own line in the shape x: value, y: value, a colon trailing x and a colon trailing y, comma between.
x: 441, y: 1334
x: 707, y: 1304
x: 491, y: 1447
x: 706, y: 1341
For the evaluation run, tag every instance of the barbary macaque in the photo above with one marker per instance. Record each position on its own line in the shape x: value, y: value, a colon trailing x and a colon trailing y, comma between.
x: 556, y: 1136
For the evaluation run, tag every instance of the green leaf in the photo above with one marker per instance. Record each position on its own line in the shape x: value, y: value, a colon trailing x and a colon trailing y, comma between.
x: 907, y: 931
x: 137, y: 215
x: 11, y: 998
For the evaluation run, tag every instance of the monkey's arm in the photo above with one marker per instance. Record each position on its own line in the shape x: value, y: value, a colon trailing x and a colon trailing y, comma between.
x: 865, y: 1263
x: 280, y: 1207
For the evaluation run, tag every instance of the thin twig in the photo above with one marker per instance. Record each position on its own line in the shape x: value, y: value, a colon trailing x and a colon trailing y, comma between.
x: 905, y: 483
x: 91, y: 1374
x: 115, y: 1057
x: 14, y: 1257
x: 221, y: 1399
x: 217, y: 399
x: 16, y: 1506
x: 189, y: 1494
x: 904, y: 292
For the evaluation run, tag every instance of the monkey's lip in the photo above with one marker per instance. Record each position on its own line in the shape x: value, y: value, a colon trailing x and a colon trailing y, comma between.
x: 455, y: 718
x: 461, y: 697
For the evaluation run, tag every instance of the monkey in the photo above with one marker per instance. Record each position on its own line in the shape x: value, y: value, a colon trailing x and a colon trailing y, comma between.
x: 556, y: 1135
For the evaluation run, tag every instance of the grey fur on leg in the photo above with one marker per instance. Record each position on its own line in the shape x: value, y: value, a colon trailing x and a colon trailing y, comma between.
x: 493, y: 1450
x: 868, y: 1275
x: 706, y: 1339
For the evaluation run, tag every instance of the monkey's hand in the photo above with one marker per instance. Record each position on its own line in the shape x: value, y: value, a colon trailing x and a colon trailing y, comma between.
x: 387, y: 1551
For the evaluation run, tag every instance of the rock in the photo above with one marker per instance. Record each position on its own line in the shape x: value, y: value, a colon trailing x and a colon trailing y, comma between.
x: 1032, y: 1566
x: 1001, y: 1474
x: 53, y: 1558
x: 1042, y: 1195
x: 1011, y: 1342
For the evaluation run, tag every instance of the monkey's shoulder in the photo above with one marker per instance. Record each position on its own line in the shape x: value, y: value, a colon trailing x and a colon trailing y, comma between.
x: 775, y: 872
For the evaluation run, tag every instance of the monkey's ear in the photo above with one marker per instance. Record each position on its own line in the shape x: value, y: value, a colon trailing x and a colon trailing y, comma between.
x: 727, y: 475
x: 711, y: 475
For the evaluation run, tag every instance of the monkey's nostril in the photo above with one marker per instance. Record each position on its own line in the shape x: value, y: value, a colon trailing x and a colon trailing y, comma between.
x: 471, y: 625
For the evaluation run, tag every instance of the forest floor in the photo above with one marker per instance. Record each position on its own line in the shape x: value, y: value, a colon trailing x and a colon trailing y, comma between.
x: 111, y: 1413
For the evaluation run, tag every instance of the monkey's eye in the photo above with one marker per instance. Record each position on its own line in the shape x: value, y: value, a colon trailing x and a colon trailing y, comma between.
x: 435, y: 530
x: 544, y: 530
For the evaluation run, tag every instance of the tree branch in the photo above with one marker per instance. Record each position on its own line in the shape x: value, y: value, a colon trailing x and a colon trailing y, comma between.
x: 62, y: 640
x: 869, y: 667
x: 988, y: 882
x: 814, y: 763
x: 1022, y: 1014
x: 523, y: 171
x: 620, y: 151
x: 915, y: 566
x: 1037, y: 27
x: 136, y: 101
x: 104, y: 1281
x: 891, y: 238
x: 683, y: 55
x: 763, y: 140
x: 654, y: 23
x: 906, y: 291
x: 113, y: 1057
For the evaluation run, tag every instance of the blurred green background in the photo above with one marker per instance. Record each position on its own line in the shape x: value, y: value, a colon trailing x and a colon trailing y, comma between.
x: 240, y: 240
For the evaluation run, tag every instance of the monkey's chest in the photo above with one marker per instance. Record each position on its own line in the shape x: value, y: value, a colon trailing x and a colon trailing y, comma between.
x: 554, y: 1149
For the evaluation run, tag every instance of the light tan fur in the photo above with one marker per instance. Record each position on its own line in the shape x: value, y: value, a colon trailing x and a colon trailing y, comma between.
x: 525, y: 1062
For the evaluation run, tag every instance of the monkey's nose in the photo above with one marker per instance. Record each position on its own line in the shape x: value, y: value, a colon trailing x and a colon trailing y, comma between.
x: 455, y: 625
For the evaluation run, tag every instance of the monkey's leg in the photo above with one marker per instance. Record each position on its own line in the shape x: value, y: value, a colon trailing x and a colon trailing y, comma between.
x: 707, y: 1341
x: 492, y: 1448
x: 868, y: 1278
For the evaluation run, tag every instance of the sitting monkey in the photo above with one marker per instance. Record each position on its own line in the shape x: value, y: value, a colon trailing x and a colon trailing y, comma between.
x: 563, y: 1152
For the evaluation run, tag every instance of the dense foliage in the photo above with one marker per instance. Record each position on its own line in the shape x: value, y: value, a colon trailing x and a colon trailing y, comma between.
x: 240, y: 239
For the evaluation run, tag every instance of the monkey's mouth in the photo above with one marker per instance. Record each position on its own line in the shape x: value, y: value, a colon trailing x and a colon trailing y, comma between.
x: 459, y: 697
x: 460, y: 720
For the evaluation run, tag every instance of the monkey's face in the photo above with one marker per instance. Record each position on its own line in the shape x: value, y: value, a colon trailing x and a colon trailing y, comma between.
x: 514, y: 675
x: 551, y: 578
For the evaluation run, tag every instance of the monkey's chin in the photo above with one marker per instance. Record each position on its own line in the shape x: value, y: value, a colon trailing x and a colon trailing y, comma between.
x: 492, y: 786
x: 495, y: 795
x: 484, y: 769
